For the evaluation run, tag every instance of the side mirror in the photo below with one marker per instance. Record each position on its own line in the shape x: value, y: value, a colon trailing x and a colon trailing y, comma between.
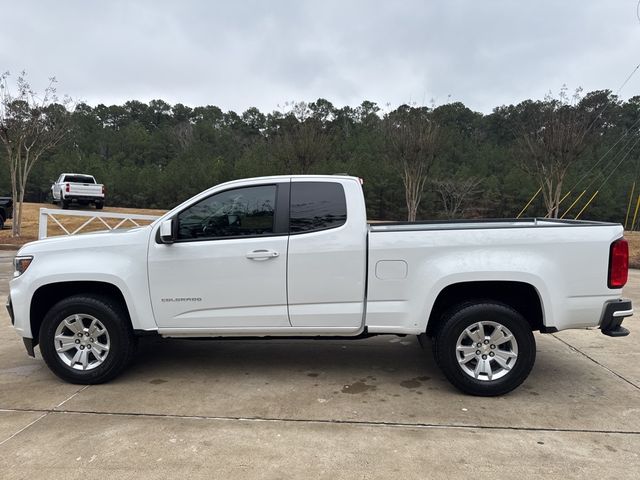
x: 166, y: 231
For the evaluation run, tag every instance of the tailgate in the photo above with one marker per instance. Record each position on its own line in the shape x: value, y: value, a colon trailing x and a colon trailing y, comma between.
x: 85, y: 189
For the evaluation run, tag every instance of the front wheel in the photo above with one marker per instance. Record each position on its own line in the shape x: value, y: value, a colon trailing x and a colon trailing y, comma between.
x: 86, y: 339
x: 485, y: 349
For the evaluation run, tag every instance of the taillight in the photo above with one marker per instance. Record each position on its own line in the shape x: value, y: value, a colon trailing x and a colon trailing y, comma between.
x: 66, y: 188
x: 618, y: 264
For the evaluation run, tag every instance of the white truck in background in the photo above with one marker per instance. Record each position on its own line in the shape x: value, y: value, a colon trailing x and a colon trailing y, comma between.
x: 293, y: 256
x: 77, y: 187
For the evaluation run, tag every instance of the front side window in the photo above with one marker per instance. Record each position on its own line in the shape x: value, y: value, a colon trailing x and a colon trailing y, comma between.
x: 316, y: 206
x: 240, y: 212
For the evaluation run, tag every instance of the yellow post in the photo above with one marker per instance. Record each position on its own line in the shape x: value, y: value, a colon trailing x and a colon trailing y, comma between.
x: 587, y: 204
x: 635, y: 214
x: 573, y: 204
x: 565, y: 196
x: 529, y: 202
x: 626, y: 218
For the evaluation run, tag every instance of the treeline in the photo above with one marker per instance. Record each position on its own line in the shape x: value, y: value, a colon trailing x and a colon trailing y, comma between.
x: 156, y: 155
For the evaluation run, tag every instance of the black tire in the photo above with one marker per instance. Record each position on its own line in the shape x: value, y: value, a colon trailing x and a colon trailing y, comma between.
x: 116, y: 322
x: 1, y: 222
x: 455, y: 322
x: 99, y: 205
x: 65, y: 204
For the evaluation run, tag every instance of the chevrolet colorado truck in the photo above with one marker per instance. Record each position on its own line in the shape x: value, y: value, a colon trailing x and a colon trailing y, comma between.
x: 77, y: 187
x: 294, y: 256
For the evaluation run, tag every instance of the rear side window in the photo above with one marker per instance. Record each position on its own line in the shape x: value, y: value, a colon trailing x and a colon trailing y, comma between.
x: 316, y: 206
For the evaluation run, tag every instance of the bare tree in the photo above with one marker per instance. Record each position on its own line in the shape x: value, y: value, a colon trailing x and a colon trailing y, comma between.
x: 412, y: 139
x: 455, y: 193
x: 30, y: 125
x: 551, y: 136
x: 300, y: 141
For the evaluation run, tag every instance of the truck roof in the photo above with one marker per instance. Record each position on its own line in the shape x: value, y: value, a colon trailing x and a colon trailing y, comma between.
x: 286, y: 177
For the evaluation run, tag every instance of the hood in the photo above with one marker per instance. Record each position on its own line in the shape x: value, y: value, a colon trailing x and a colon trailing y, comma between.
x: 102, y: 239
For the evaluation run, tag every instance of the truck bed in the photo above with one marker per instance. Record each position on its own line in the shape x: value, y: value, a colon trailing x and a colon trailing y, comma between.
x: 410, y: 262
x: 481, y: 224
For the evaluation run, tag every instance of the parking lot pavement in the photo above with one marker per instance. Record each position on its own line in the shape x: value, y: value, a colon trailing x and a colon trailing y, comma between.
x: 371, y: 408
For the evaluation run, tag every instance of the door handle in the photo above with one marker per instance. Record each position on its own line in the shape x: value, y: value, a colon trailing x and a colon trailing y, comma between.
x: 262, y: 254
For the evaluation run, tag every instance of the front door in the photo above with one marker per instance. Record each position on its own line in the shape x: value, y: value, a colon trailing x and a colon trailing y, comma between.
x: 227, y: 267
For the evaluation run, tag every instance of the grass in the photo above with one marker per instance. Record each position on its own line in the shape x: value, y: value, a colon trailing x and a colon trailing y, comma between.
x: 30, y: 218
x: 634, y: 248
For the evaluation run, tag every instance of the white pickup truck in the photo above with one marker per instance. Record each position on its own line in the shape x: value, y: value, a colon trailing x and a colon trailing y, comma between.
x: 77, y: 187
x: 294, y: 256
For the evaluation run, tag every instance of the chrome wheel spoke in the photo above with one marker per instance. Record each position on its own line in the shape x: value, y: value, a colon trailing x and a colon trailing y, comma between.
x: 474, y: 335
x: 76, y: 357
x: 497, y: 335
x: 84, y: 359
x: 504, y: 339
x: 93, y: 327
x: 75, y: 324
x: 503, y: 357
x: 64, y: 343
x: 483, y: 367
x: 480, y: 332
x: 99, y: 348
x: 97, y: 357
x: 468, y: 353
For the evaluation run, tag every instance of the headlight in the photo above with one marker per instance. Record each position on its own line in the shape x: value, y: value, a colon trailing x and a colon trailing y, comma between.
x: 21, y: 264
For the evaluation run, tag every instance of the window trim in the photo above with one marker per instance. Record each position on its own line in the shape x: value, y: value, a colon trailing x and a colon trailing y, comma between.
x: 323, y: 229
x: 282, y: 196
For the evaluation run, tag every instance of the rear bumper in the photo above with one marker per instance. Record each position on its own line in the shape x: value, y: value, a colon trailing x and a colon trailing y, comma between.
x: 615, y: 311
x: 84, y: 198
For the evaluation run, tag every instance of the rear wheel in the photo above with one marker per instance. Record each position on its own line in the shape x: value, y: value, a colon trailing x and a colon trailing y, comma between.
x: 99, y: 205
x: 86, y: 339
x: 1, y: 222
x: 485, y: 349
x: 65, y: 204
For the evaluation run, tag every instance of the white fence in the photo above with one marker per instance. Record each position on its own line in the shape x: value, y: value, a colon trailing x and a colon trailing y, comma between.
x: 126, y: 219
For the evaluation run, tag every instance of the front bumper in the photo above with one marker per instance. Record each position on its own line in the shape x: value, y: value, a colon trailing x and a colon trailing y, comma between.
x: 10, y: 310
x: 614, y: 312
x: 29, y: 343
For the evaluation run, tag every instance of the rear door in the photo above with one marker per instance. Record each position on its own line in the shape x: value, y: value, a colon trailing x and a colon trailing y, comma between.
x: 327, y: 254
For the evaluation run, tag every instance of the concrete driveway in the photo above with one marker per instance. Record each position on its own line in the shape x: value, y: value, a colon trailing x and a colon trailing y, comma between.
x: 376, y: 408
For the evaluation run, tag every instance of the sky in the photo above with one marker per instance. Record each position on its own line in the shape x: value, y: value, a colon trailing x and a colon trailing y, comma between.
x: 239, y: 54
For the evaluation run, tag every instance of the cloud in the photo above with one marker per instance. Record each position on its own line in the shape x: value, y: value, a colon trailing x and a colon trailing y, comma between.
x: 255, y: 53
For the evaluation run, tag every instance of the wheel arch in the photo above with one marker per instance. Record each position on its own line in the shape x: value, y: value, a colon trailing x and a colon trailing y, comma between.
x: 521, y: 296
x: 46, y: 296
